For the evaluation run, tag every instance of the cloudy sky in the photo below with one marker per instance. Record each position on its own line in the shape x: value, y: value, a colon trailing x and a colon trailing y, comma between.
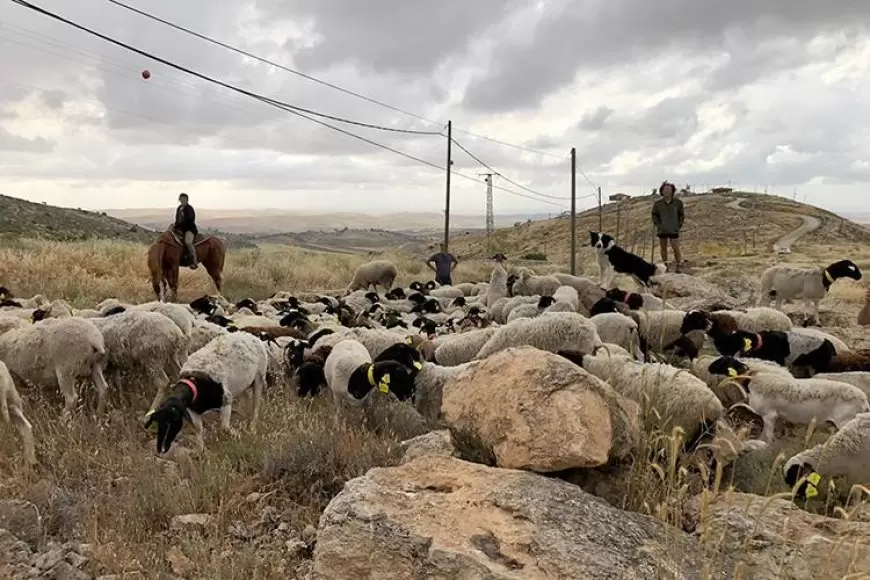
x: 756, y: 93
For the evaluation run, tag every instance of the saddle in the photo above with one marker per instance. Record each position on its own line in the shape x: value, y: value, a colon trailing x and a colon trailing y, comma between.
x: 174, y: 236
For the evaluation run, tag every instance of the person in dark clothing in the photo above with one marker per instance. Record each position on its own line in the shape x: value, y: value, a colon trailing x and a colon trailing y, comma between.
x: 185, y: 223
x: 442, y: 264
x: 667, y: 217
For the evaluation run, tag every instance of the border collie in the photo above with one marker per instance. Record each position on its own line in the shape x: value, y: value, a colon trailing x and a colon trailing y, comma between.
x: 612, y: 260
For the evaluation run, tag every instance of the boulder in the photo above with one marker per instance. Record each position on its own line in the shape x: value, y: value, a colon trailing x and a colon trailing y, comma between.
x: 438, y: 443
x: 441, y: 517
x: 22, y: 519
x: 775, y: 539
x: 535, y: 410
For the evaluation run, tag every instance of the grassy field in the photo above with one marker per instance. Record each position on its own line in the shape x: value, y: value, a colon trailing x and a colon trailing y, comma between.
x: 99, y: 481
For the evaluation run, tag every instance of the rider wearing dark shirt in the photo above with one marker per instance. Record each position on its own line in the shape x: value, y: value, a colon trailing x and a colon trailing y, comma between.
x: 444, y: 263
x: 185, y: 223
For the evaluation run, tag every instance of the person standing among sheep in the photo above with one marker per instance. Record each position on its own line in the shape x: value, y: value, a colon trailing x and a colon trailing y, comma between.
x: 442, y: 264
x: 667, y: 217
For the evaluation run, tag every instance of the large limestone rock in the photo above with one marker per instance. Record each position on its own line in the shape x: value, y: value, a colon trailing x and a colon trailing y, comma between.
x: 775, y: 539
x: 536, y: 410
x: 443, y: 518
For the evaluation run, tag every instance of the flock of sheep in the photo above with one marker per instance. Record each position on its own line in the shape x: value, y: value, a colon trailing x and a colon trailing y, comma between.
x: 696, y: 367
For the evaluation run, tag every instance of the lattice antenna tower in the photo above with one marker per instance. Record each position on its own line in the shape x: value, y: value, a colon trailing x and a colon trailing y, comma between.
x: 490, y: 219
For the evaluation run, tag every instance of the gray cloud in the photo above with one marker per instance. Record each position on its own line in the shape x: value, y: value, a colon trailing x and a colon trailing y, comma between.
x: 701, y: 93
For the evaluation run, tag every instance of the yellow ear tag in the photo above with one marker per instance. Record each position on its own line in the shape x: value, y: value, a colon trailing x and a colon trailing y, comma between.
x: 2, y: 295
x: 732, y: 372
x: 747, y: 345
x: 409, y: 340
x: 812, y: 485
x: 384, y: 385
x: 418, y: 365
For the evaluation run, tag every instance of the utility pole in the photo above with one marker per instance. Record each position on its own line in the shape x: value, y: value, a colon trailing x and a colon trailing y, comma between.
x: 600, y: 212
x: 490, y: 219
x: 573, y: 211
x: 447, y: 193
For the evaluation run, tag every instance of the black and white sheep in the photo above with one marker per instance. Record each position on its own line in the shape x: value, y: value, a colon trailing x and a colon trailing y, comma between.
x: 782, y: 282
x: 210, y: 380
x: 796, y: 351
x: 845, y: 454
x: 801, y: 401
x: 351, y: 375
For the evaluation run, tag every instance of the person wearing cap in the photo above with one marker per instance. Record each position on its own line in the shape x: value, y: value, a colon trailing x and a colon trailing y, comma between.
x: 667, y: 217
x: 185, y: 223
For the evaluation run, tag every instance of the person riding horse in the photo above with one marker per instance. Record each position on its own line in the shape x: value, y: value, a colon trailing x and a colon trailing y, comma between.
x: 185, y: 224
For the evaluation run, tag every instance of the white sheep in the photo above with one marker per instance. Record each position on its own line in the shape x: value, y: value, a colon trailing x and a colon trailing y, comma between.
x: 528, y: 284
x: 55, y: 353
x: 551, y: 331
x: 846, y: 454
x: 501, y: 315
x: 801, y: 401
x: 839, y: 345
x: 462, y: 348
x: 497, y: 288
x: 351, y: 375
x: 523, y: 311
x: 671, y: 397
x: 589, y: 291
x: 12, y: 412
x: 860, y: 379
x: 181, y: 315
x: 566, y: 295
x: 429, y: 387
x: 618, y: 329
x: 372, y: 274
x: 782, y: 282
x: 210, y: 380
x: 202, y: 333
x: 145, y: 345
x: 8, y: 323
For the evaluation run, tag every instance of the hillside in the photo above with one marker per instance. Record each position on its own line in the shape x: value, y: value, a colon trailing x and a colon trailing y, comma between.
x: 280, y: 221
x: 714, y: 228
x: 20, y: 218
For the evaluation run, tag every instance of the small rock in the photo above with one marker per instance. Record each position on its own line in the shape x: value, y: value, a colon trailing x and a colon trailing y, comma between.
x: 77, y: 560
x: 63, y: 571
x: 181, y: 564
x: 283, y: 527
x: 435, y: 443
x: 296, y: 548
x: 49, y: 559
x: 309, y: 534
x: 191, y: 522
x: 253, y: 497
x: 22, y: 517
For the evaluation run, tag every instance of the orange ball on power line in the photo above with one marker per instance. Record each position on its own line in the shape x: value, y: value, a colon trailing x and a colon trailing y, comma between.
x: 146, y: 74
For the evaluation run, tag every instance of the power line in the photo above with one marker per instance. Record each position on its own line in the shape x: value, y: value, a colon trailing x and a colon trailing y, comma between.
x: 163, y: 61
x: 476, y: 158
x: 303, y: 75
x: 298, y: 111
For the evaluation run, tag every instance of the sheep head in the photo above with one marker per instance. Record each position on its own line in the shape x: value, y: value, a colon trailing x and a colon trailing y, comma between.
x: 169, y: 417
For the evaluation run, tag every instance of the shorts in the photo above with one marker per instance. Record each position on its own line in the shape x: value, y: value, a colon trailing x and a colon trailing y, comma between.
x: 668, y: 236
x: 444, y: 280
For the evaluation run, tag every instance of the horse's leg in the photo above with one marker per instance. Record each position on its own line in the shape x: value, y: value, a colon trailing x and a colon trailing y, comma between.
x: 172, y: 282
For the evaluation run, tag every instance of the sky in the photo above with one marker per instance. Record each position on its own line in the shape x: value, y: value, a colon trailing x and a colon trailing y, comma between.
x: 766, y: 95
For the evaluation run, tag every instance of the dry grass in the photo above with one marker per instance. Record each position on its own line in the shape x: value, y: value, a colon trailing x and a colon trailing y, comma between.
x: 99, y: 481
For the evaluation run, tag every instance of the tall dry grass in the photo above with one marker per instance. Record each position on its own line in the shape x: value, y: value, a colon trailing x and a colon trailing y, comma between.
x: 85, y: 273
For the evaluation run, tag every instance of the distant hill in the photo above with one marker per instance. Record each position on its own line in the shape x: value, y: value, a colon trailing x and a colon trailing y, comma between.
x: 280, y: 221
x: 713, y: 227
x: 21, y: 218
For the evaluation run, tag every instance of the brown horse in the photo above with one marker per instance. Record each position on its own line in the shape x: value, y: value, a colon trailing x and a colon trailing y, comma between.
x: 167, y: 254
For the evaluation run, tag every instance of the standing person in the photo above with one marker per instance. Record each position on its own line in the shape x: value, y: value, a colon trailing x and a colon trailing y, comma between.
x: 442, y: 264
x: 185, y: 222
x: 667, y: 217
